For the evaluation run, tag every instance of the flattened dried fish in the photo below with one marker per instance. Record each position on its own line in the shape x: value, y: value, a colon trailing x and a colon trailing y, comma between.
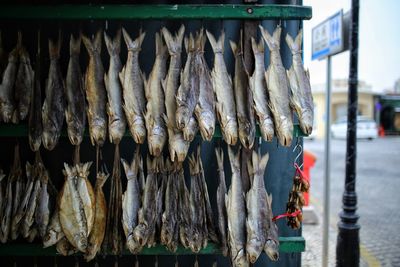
x: 278, y: 89
x: 7, y: 103
x: 222, y: 83
x: 257, y: 211
x: 86, y: 193
x: 95, y: 91
x: 116, y: 115
x: 236, y: 211
x: 243, y: 98
x: 23, y: 83
x: 221, y: 192
x: 35, y: 111
x: 96, y: 236
x: 71, y: 211
x: 131, y: 201
x: 133, y: 90
x: 301, y: 99
x: 75, y: 113
x: 188, y: 92
x: 258, y: 87
x: 205, y: 108
x: 53, y: 107
x: 177, y: 145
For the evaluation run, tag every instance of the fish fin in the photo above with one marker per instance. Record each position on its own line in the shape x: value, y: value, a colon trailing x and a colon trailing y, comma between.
x: 127, y: 39
x: 161, y: 49
x: 113, y: 45
x: 121, y: 75
x: 263, y: 162
x: 217, y: 46
x: 272, y: 41
x: 234, y: 159
x: 299, y: 39
x: 97, y: 41
x: 140, y: 39
x: 257, y: 48
x: 74, y: 45
x: 234, y: 47
x: 290, y: 42
x: 174, y: 44
x: 88, y: 43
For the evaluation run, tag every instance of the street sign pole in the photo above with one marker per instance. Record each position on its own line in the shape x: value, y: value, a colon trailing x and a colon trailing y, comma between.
x: 325, y: 236
x: 348, y: 241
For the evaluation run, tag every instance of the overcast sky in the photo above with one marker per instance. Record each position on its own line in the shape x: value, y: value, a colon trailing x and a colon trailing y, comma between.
x: 379, y: 43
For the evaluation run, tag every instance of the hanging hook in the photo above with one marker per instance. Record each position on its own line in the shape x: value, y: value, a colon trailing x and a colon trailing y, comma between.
x: 296, y: 147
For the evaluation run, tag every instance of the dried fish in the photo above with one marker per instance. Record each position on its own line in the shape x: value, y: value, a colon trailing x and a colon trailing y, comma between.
x: 19, y: 186
x: 188, y: 92
x: 243, y: 98
x: 23, y: 83
x: 72, y: 213
x: 75, y: 113
x: 221, y: 192
x: 96, y: 236
x: 278, y: 89
x: 7, y: 210
x: 7, y: 103
x: 2, y: 199
x: 162, y: 180
x: 95, y: 90
x: 53, y: 107
x: 301, y: 99
x: 184, y: 211
x: 155, y: 108
x: 257, y: 211
x: 133, y: 89
x: 222, y: 83
x: 177, y: 145
x: 191, y: 129
x: 236, y: 211
x: 258, y: 87
x: 44, y: 204
x: 3, y: 56
x: 205, y: 108
x: 54, y: 231
x: 131, y: 201
x: 35, y: 111
x: 271, y: 247
x: 65, y: 248
x: 86, y: 193
x: 116, y: 115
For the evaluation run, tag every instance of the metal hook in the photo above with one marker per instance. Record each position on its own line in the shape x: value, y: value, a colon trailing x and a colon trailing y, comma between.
x: 300, y: 152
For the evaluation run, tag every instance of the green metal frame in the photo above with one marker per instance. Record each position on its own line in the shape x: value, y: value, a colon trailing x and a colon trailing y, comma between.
x: 287, y: 245
x: 21, y: 130
x: 222, y: 11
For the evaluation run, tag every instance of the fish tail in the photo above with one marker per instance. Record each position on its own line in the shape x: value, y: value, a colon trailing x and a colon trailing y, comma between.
x: 174, y: 44
x: 259, y: 163
x: 272, y: 41
x: 161, y: 49
x: 101, y: 178
x: 75, y: 45
x: 220, y: 157
x: 217, y: 46
x: 55, y: 47
x: 234, y: 159
x: 19, y: 40
x: 97, y: 41
x: 294, y: 44
x: 137, y: 43
x: 113, y: 45
x: 257, y: 48
x: 200, y: 40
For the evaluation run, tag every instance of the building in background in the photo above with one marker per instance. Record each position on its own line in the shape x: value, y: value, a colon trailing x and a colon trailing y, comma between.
x: 366, y: 103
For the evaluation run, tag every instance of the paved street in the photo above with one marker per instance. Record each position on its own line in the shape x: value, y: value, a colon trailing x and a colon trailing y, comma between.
x: 378, y: 185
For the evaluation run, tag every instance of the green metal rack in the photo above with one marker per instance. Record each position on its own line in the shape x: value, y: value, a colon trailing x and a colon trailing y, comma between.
x: 154, y: 12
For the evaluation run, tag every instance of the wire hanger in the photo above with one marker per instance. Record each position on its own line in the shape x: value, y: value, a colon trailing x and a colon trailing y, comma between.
x: 298, y: 147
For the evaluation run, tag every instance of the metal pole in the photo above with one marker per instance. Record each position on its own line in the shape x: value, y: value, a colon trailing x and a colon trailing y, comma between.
x: 325, y: 236
x: 348, y: 242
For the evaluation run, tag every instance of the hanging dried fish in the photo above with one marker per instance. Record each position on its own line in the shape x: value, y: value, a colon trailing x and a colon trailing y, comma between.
x: 35, y: 111
x: 131, y: 78
x: 257, y: 211
x: 7, y: 210
x: 221, y: 192
x: 271, y: 247
x: 301, y: 99
x: 3, y: 56
x: 2, y: 198
x: 53, y: 107
x: 278, y: 89
x: 177, y: 145
x: 243, y: 98
x: 116, y: 115
x: 188, y: 92
x: 19, y: 186
x: 95, y: 90
x: 236, y: 211
x: 96, y: 236
x: 44, y: 203
x: 65, y: 248
x: 162, y: 180
x: 71, y: 211
x: 131, y: 201
x: 23, y: 84
x: 54, y: 231
x: 205, y: 108
x: 155, y: 108
x: 75, y: 113
x: 7, y: 103
x: 184, y: 211
x: 258, y: 87
x: 222, y: 84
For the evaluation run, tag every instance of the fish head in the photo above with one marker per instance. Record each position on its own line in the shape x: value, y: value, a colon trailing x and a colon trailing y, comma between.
x: 81, y: 242
x: 182, y: 117
x: 50, y: 238
x: 253, y: 250
x: 271, y: 248
x: 306, y: 122
x: 285, y: 131
x: 207, y: 125
x: 98, y: 132
x: 7, y: 112
x: 156, y: 141
x: 139, y: 234
x: 267, y: 129
x: 138, y: 132
x: 50, y: 138
x: 116, y: 131
x: 132, y: 245
x: 74, y: 134
x: 178, y: 149
x: 195, y: 242
x: 241, y: 260
x: 230, y: 132
x: 34, y: 143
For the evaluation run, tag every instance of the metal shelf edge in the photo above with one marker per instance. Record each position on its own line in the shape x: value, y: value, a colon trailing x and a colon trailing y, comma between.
x: 214, y: 11
x: 287, y: 245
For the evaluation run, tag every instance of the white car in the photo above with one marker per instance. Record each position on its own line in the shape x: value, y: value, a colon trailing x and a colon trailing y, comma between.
x: 366, y: 128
